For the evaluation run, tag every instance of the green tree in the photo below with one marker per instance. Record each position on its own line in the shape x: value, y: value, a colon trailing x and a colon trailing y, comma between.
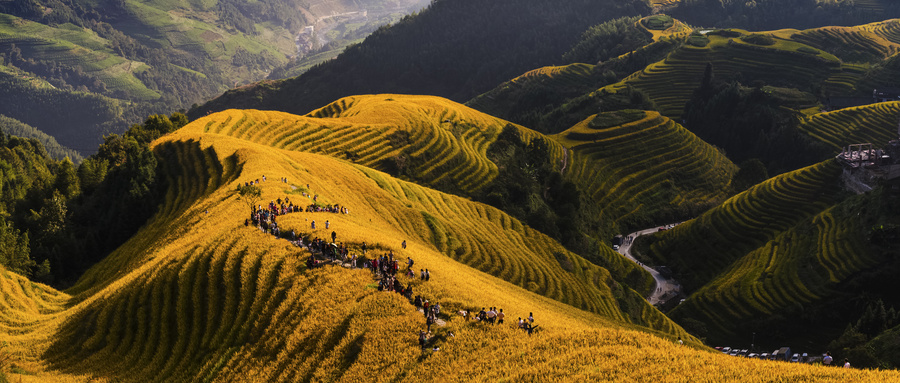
x: 250, y: 194
x: 15, y: 253
x: 91, y: 173
x: 67, y: 181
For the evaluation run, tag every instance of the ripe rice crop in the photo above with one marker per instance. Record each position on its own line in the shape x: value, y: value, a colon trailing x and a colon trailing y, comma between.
x: 198, y: 296
x: 702, y: 248
x: 875, y: 123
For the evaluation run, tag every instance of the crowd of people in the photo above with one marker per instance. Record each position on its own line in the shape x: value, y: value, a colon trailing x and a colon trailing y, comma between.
x: 384, y: 268
x: 493, y: 316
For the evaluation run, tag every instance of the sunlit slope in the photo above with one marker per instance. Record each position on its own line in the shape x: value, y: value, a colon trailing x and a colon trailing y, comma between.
x: 429, y: 139
x: 701, y: 248
x: 644, y: 166
x: 875, y: 123
x: 799, y: 266
x: 866, y: 43
x: 210, y: 289
x: 438, y: 142
x: 225, y: 302
x: 888, y: 29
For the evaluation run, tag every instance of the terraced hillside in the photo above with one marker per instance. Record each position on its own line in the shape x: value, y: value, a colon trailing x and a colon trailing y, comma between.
x: 850, y: 44
x: 700, y: 249
x: 142, y: 295
x: 633, y: 163
x: 438, y: 142
x: 198, y: 296
x: 76, y: 47
x: 670, y: 82
x: 800, y: 266
x: 429, y: 139
x: 876, y: 123
x: 545, y: 99
x: 888, y: 29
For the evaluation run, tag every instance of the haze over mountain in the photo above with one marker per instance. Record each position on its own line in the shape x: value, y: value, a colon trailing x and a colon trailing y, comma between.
x: 106, y: 64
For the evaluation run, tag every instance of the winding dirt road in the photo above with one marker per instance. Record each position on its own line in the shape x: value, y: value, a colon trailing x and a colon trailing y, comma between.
x: 665, y: 288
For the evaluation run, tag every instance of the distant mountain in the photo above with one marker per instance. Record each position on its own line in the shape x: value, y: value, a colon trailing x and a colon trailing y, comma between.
x: 135, y: 58
x: 454, y: 49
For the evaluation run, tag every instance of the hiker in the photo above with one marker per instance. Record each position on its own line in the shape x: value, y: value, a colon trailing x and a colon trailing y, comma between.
x: 427, y: 275
x: 403, y: 244
x: 491, y: 315
x: 422, y: 274
x: 680, y: 342
x: 422, y: 339
x: 429, y: 320
x: 364, y: 248
x: 314, y: 224
x: 353, y: 262
x: 437, y: 308
x: 500, y: 317
x: 327, y: 224
x: 827, y: 359
x: 846, y: 363
x: 409, y: 263
x: 530, y: 318
x: 333, y: 234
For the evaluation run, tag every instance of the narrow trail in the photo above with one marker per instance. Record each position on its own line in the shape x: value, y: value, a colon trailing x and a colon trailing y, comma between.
x: 565, y: 161
x: 664, y: 287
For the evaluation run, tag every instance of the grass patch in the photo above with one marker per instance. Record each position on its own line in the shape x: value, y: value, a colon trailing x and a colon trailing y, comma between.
x: 759, y: 39
x: 659, y: 22
x: 616, y: 118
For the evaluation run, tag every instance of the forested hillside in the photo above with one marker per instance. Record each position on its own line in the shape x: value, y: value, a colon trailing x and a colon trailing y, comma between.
x: 454, y: 49
x: 130, y: 59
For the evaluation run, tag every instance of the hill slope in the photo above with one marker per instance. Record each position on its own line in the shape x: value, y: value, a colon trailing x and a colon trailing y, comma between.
x: 437, y: 142
x: 155, y: 56
x: 641, y: 168
x: 199, y: 296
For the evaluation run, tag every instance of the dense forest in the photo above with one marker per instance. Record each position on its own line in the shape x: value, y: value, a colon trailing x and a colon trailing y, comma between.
x: 59, y: 218
x: 751, y: 123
